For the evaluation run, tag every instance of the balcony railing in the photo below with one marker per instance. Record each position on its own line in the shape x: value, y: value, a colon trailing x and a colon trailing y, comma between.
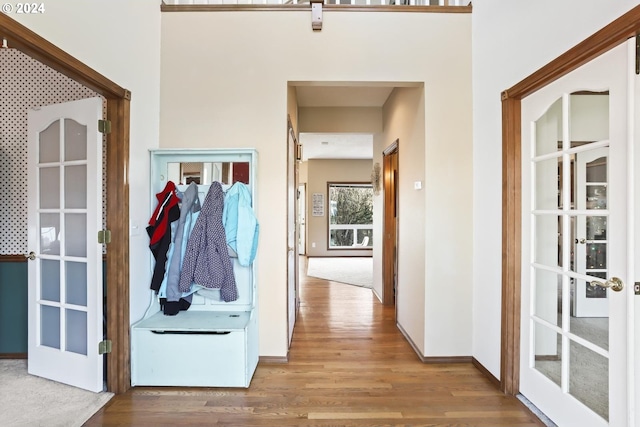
x: 329, y: 2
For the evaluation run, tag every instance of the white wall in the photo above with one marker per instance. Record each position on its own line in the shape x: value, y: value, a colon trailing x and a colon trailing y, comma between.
x: 510, y: 41
x: 341, y: 119
x: 224, y: 84
x: 404, y: 120
x: 128, y: 53
x: 434, y: 281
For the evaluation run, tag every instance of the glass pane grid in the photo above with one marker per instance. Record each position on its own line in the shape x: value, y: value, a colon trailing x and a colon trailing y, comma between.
x: 571, y: 351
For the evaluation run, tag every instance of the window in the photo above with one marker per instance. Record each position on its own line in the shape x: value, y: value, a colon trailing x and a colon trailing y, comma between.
x: 350, y: 215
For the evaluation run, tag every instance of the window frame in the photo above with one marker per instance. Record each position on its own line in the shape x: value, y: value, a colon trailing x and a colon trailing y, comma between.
x: 331, y: 184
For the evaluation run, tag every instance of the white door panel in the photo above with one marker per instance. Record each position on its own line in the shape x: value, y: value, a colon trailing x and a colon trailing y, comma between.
x: 574, y: 368
x: 64, y: 217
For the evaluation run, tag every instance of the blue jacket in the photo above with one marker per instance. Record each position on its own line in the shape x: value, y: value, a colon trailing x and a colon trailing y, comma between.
x: 240, y: 223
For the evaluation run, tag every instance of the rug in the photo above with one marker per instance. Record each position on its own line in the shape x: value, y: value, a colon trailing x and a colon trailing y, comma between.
x: 356, y: 271
x: 28, y: 401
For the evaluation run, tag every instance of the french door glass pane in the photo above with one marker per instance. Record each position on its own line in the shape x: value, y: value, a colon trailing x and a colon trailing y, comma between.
x: 592, y: 329
x: 50, y: 234
x: 75, y: 140
x: 549, y: 129
x: 49, y: 144
x: 590, y: 244
x: 596, y: 227
x: 49, y: 187
x: 75, y: 187
x: 548, y: 240
x: 75, y: 241
x: 50, y: 326
x: 548, y: 296
x: 589, y: 378
x: 50, y: 280
x: 589, y: 117
x: 548, y: 352
x: 76, y: 338
x: 548, y: 187
x: 76, y: 283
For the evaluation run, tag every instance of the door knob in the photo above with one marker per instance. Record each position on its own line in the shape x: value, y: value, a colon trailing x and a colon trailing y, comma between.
x: 583, y: 241
x: 614, y: 283
x: 30, y: 256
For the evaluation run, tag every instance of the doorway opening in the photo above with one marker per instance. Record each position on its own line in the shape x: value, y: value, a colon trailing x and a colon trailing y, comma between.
x: 117, y: 200
x: 514, y: 245
x: 342, y: 136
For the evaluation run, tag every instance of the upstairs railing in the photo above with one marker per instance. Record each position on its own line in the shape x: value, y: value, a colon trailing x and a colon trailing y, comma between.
x: 328, y: 2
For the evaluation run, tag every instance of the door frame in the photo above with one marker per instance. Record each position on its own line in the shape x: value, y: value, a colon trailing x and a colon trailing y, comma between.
x: 293, y: 156
x: 117, y: 174
x: 618, y: 31
x: 389, y: 246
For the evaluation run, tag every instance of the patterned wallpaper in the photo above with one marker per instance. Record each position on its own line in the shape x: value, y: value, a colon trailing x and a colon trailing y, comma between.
x: 24, y: 83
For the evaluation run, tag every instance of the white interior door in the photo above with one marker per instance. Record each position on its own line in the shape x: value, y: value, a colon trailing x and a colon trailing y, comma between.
x: 574, y: 368
x: 591, y: 231
x: 302, y: 219
x: 64, y: 217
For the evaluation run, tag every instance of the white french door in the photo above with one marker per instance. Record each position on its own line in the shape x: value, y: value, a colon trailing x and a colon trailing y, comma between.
x: 65, y: 267
x: 590, y: 240
x: 574, y: 206
x: 302, y: 213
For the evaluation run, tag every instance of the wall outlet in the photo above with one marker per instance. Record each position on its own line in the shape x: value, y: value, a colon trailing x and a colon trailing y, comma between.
x: 313, y: 244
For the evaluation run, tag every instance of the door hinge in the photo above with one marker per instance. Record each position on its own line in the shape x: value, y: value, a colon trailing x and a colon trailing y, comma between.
x: 104, y: 236
x: 104, y: 126
x: 104, y: 347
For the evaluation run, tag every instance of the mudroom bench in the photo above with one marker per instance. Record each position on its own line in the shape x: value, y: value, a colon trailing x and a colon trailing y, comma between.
x: 213, y: 343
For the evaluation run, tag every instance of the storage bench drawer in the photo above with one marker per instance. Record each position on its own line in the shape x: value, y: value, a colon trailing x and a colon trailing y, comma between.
x: 189, y: 358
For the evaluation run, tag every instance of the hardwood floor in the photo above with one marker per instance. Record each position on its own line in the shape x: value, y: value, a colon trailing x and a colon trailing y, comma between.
x: 348, y: 366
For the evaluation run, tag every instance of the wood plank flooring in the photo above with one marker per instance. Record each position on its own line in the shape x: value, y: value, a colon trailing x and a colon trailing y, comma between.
x: 348, y: 366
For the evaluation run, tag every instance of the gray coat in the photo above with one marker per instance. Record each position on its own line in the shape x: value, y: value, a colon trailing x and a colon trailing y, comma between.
x: 190, y: 205
x: 206, y: 261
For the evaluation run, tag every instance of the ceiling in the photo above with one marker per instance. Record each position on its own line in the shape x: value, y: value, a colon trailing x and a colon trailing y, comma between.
x: 335, y: 145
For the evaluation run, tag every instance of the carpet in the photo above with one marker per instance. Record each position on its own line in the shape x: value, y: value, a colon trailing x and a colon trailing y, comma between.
x: 356, y: 271
x: 27, y: 400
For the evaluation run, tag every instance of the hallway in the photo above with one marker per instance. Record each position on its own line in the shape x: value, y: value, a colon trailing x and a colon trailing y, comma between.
x: 348, y: 366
